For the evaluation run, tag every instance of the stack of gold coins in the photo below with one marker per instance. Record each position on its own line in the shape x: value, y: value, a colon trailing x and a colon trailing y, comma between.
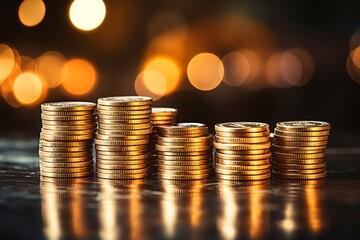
x: 242, y: 151
x: 122, y: 139
x: 66, y: 139
x: 160, y: 116
x: 299, y: 149
x: 184, y: 152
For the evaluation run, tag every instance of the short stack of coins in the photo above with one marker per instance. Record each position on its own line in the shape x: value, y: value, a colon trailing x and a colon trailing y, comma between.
x: 242, y: 151
x: 184, y: 152
x: 299, y: 149
x: 66, y: 139
x: 122, y: 139
x: 160, y: 116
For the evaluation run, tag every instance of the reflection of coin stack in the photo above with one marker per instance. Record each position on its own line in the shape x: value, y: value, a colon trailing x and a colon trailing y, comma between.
x: 160, y: 116
x: 242, y: 151
x: 123, y: 137
x: 66, y: 139
x: 299, y: 149
x: 184, y: 151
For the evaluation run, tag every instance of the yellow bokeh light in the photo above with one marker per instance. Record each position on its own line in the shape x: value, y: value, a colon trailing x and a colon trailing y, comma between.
x: 31, y: 12
x: 237, y: 68
x: 205, y: 71
x: 7, y: 61
x: 87, y: 15
x: 150, y: 83
x: 78, y: 76
x: 168, y: 69
x: 49, y: 66
x: 29, y: 88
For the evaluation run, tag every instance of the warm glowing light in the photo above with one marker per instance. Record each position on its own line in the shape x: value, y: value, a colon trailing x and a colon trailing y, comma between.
x: 87, y: 15
x: 27, y: 63
x: 49, y: 66
x: 227, y: 223
x: 150, y: 83
x: 237, y: 68
x: 28, y: 88
x: 107, y: 212
x: 353, y: 71
x: 31, y: 12
x: 288, y: 224
x: 7, y: 61
x: 168, y: 69
x: 78, y: 76
x: 205, y: 71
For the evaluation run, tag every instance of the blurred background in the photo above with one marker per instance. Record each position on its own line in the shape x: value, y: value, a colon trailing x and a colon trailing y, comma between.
x: 215, y: 61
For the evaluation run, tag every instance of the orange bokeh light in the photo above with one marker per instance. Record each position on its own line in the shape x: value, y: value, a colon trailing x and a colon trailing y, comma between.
x: 49, y: 66
x: 205, y: 71
x: 31, y: 12
x: 78, y: 76
x: 29, y: 89
x: 7, y: 61
x: 237, y: 68
x: 150, y: 83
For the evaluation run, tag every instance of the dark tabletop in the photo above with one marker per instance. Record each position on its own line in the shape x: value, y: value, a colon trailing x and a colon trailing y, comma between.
x: 31, y: 208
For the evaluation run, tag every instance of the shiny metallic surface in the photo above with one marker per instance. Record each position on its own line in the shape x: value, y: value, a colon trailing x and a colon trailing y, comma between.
x: 34, y: 208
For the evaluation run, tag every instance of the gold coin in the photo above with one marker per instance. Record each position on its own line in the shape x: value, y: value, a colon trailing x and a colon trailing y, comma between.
x: 287, y: 133
x: 194, y: 153
x: 165, y: 148
x: 65, y: 154
x: 66, y: 175
x: 66, y: 169
x: 242, y: 167
x: 121, y: 148
x: 164, y: 111
x: 66, y: 137
x: 45, y: 143
x: 120, y: 153
x: 243, y: 152
x: 299, y: 144
x: 298, y: 156
x: 300, y: 176
x: 241, y: 127
x: 68, y: 123
x: 227, y: 171
x: 123, y: 108
x: 125, y: 126
x: 243, y: 157
x: 125, y: 101
x: 128, y: 121
x: 243, y: 163
x: 298, y: 166
x: 127, y: 171
x: 65, y: 164
x: 68, y: 106
x: 183, y: 177
x: 68, y: 133
x: 204, y: 139
x: 121, y: 176
x: 185, y: 172
x: 298, y: 161
x: 65, y: 149
x: 301, y: 139
x: 126, y: 112
x: 301, y: 150
x: 183, y: 162
x: 185, y: 167
x: 297, y: 171
x: 121, y: 166
x: 303, y: 126
x: 100, y: 142
x: 122, y: 157
x: 67, y: 113
x: 188, y: 145
x: 243, y: 134
x: 162, y: 117
x: 241, y: 146
x: 69, y: 128
x: 68, y: 118
x: 243, y: 177
x: 158, y: 122
x: 242, y: 140
x: 125, y: 132
x: 65, y: 159
x: 183, y: 158
x: 185, y: 128
x: 120, y: 137
x: 135, y: 162
x: 123, y: 117
x: 46, y: 180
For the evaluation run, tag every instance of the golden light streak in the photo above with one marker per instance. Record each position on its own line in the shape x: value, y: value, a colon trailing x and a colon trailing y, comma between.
x: 31, y: 12
x: 87, y: 15
x: 108, y: 212
x: 227, y: 222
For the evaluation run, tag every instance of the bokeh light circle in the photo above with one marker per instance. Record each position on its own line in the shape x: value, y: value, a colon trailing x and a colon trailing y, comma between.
x: 87, y: 15
x: 31, y: 12
x: 28, y: 88
x: 150, y: 83
x: 237, y: 68
x: 49, y: 66
x: 7, y: 61
x: 205, y: 71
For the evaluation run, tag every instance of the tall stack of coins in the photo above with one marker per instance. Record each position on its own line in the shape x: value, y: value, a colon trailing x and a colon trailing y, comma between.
x: 184, y: 152
x: 123, y: 136
x: 242, y: 151
x: 299, y: 149
x: 160, y: 116
x: 66, y: 139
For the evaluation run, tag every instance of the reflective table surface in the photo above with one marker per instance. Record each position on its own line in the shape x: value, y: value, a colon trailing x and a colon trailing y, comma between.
x: 34, y: 208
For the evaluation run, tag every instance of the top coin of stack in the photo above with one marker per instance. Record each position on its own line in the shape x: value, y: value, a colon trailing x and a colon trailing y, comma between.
x: 66, y: 138
x: 184, y: 151
x: 160, y: 116
x: 242, y: 151
x: 123, y: 136
x: 299, y: 149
